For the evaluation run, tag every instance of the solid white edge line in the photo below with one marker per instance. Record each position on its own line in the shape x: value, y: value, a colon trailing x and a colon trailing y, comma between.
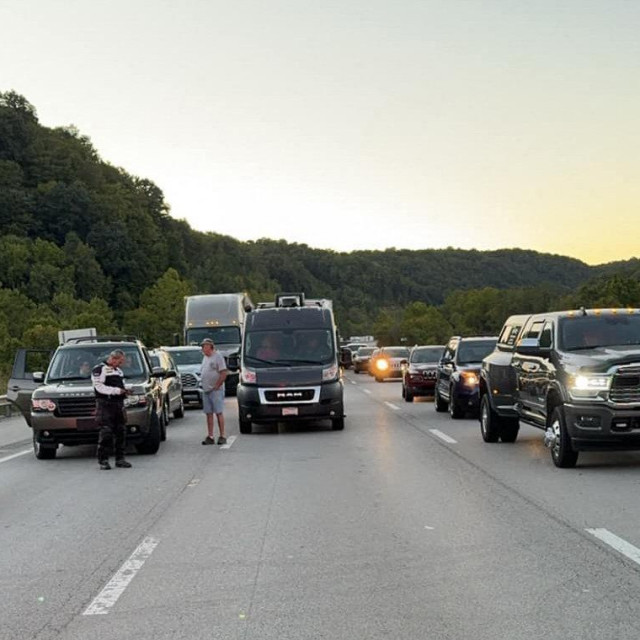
x: 230, y: 441
x: 392, y: 406
x: 15, y: 455
x: 121, y: 579
x: 620, y: 545
x: 443, y: 436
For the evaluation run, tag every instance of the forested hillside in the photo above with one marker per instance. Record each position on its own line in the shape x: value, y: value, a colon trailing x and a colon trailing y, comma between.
x: 84, y: 243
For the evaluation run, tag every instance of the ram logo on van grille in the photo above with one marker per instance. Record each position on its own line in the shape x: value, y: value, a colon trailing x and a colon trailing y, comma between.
x: 289, y: 395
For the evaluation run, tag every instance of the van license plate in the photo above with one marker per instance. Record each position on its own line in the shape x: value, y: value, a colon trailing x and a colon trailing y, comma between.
x: 289, y: 411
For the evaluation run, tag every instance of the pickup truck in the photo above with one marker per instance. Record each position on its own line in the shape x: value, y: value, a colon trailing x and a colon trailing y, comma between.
x: 574, y: 374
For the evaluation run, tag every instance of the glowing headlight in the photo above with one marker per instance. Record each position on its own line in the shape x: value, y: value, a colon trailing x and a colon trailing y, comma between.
x: 383, y: 365
x: 470, y: 379
x: 594, y: 383
x: 43, y: 405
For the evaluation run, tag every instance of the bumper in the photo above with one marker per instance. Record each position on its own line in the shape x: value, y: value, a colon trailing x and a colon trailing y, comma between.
x: 329, y: 405
x: 468, y: 399
x: 192, y: 395
x: 602, y: 427
x: 420, y: 387
x: 72, y: 431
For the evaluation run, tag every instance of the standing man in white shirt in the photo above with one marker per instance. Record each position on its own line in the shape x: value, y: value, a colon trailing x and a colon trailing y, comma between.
x: 213, y: 375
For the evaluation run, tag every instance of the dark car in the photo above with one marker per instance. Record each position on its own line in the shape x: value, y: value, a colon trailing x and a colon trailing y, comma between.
x: 60, y: 405
x: 419, y: 372
x: 388, y: 363
x: 172, y: 402
x: 361, y: 359
x: 188, y: 360
x: 458, y: 377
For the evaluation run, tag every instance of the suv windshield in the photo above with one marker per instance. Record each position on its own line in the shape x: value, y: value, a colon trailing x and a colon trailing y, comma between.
x: 475, y: 351
x: 186, y: 356
x: 73, y: 363
x: 396, y: 352
x: 588, y: 332
x: 219, y: 335
x: 365, y: 351
x: 289, y: 347
x: 431, y: 354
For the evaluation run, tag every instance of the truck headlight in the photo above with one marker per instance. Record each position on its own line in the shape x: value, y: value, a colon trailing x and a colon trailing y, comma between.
x: 589, y: 387
x: 45, y: 404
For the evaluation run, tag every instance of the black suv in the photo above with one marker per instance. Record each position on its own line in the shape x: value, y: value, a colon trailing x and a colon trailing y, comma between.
x: 458, y: 374
x: 60, y: 406
x: 574, y: 374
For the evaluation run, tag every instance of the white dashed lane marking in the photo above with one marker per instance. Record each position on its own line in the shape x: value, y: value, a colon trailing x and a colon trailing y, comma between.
x: 443, y: 436
x: 392, y: 406
x: 15, y: 455
x: 103, y: 602
x: 620, y: 545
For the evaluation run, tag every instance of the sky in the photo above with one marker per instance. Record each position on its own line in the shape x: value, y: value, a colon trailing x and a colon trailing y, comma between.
x: 355, y: 124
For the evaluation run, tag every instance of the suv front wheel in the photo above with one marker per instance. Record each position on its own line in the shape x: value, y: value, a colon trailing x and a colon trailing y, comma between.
x: 151, y: 443
x: 43, y: 451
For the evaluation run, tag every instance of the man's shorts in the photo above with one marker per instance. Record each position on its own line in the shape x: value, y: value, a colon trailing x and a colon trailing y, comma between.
x: 213, y: 401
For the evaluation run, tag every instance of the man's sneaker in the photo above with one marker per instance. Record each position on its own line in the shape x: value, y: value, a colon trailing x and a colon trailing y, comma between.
x: 222, y: 440
x: 123, y: 464
x: 105, y: 466
x: 208, y: 440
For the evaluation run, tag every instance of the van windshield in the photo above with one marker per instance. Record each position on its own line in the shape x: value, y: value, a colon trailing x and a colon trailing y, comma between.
x: 289, y: 347
x: 219, y: 335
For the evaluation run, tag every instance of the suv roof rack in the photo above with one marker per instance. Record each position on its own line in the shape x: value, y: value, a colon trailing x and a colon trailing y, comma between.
x: 121, y: 338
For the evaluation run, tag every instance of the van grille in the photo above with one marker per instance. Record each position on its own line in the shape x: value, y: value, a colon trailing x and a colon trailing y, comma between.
x: 289, y: 395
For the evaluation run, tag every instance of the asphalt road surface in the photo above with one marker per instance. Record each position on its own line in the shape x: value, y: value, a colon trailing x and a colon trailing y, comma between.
x: 403, y: 526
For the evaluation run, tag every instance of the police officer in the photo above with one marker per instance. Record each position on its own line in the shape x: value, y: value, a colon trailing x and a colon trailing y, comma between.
x: 108, y: 384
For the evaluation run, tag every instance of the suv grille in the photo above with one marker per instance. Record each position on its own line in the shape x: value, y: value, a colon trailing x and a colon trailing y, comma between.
x: 289, y: 395
x: 80, y: 406
x: 189, y: 381
x: 625, y: 387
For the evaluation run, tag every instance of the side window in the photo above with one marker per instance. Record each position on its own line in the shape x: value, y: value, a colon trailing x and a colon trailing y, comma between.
x: 546, y: 335
x: 509, y: 335
x: 504, y: 335
x: 535, y: 329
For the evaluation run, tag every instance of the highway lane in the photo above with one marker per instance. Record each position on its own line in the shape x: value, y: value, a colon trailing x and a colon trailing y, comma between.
x: 384, y: 530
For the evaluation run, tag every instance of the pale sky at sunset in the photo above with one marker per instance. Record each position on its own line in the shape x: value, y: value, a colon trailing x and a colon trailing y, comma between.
x: 353, y: 124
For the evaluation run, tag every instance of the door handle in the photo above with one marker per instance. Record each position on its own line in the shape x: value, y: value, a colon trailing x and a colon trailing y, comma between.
x: 14, y: 388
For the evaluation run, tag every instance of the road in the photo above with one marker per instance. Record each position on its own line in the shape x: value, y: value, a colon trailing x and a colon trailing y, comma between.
x: 405, y: 525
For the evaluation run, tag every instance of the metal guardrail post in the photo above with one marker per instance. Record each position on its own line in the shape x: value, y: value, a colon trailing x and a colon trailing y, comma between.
x: 6, y: 406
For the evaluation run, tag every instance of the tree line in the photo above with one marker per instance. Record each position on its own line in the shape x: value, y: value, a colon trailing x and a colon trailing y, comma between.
x: 84, y: 243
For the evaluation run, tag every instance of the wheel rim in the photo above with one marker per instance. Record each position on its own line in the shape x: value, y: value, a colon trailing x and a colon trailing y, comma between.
x: 484, y: 418
x: 557, y: 432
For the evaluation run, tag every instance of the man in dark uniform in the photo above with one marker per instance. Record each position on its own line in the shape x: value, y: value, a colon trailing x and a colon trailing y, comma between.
x: 108, y: 383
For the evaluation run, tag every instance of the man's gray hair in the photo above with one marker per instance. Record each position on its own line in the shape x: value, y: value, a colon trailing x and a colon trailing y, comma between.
x: 117, y: 353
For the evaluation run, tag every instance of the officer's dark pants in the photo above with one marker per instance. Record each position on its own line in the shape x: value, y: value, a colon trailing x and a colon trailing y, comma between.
x: 111, y: 418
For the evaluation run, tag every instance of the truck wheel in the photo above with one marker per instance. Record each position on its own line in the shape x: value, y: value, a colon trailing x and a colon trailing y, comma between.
x: 43, y: 451
x: 408, y: 396
x: 337, y: 424
x: 441, y: 405
x: 455, y: 410
x: 151, y: 443
x: 179, y: 412
x: 489, y: 421
x: 509, y: 428
x: 245, y: 426
x: 562, y: 453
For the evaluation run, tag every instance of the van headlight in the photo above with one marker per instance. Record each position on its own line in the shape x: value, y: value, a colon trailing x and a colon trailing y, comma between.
x: 248, y: 376
x: 330, y: 373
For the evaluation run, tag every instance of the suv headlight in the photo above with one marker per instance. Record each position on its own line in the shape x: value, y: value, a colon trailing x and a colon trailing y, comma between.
x: 383, y: 365
x: 134, y: 400
x: 589, y: 387
x: 469, y: 378
x: 45, y: 404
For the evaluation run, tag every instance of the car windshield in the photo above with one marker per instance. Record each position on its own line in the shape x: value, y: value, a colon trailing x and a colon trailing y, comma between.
x: 187, y: 356
x: 427, y: 354
x: 588, y: 332
x: 396, y: 352
x: 219, y: 335
x: 289, y: 347
x: 365, y: 351
x: 77, y: 364
x: 475, y: 351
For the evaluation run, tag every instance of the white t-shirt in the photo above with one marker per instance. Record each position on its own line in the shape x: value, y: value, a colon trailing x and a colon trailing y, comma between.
x: 211, y: 368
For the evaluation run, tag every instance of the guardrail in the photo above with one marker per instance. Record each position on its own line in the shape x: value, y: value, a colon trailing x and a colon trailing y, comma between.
x: 6, y: 408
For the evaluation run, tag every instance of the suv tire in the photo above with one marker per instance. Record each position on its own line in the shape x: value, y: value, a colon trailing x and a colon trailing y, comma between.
x: 337, y: 424
x: 179, y: 412
x: 441, y: 405
x: 151, y: 443
x: 489, y: 421
x: 562, y: 453
x: 43, y: 451
x: 455, y: 410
